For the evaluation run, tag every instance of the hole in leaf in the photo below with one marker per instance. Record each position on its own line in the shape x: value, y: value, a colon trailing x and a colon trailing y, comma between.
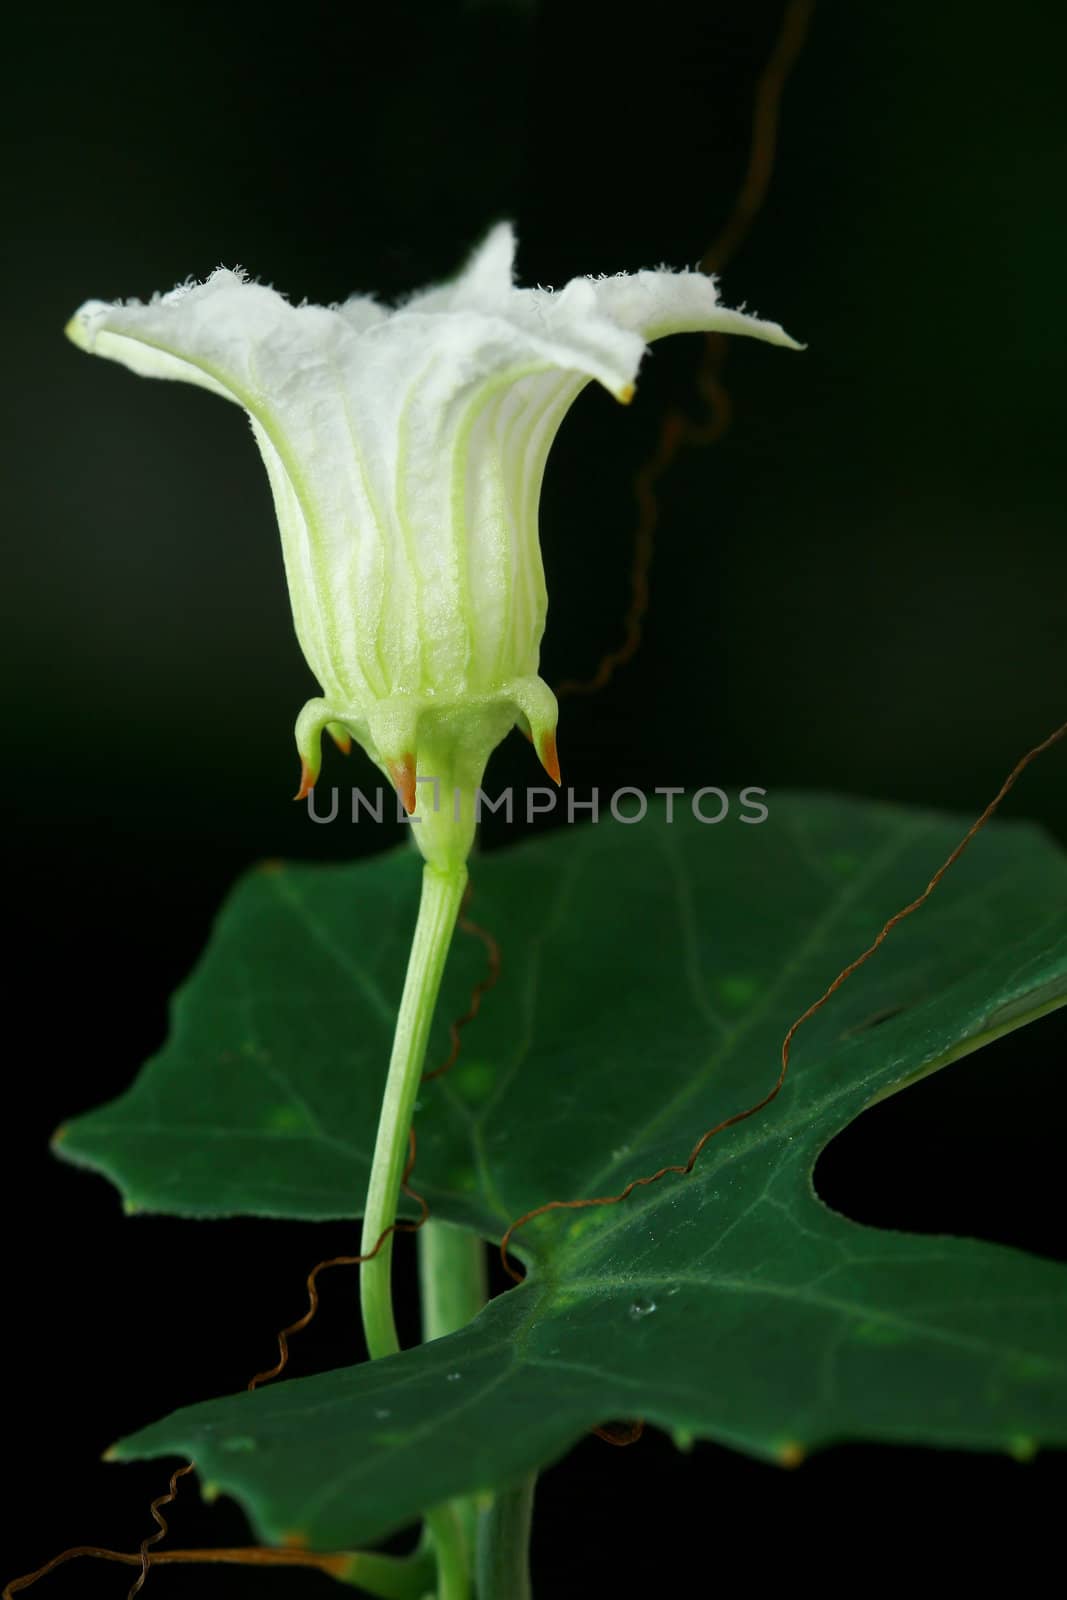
x: 971, y: 1150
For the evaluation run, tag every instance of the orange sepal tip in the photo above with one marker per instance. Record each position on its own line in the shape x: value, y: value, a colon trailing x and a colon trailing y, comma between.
x: 307, y: 782
x: 343, y: 741
x: 550, y: 757
x: 402, y: 773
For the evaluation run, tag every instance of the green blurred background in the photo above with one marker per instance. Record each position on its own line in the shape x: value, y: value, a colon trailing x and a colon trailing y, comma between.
x: 862, y: 587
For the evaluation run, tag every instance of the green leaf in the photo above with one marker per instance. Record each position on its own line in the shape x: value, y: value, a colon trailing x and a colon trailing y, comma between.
x: 649, y: 973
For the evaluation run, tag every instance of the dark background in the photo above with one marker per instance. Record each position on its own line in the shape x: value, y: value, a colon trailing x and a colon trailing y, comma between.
x: 861, y: 587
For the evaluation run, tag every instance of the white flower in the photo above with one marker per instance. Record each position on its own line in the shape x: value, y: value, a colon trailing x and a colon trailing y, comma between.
x: 405, y: 449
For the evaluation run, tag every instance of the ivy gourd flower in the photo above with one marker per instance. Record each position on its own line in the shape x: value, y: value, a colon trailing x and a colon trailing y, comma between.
x: 405, y: 450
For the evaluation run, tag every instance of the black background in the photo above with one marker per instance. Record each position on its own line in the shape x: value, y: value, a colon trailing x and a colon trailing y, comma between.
x: 861, y: 587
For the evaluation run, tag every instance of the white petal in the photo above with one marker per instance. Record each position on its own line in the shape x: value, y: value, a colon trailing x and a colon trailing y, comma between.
x: 285, y: 365
x: 488, y: 278
x: 657, y: 303
x: 362, y: 311
x: 139, y: 336
x: 484, y: 284
x: 208, y: 333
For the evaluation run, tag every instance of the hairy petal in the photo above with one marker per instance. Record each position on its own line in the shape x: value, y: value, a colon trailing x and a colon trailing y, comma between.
x: 657, y: 303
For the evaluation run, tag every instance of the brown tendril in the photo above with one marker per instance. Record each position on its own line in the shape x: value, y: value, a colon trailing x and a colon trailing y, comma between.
x: 401, y: 1225
x: 676, y: 429
x: 156, y: 1509
x: 148, y: 1557
x: 481, y: 988
x: 770, y: 87
x: 683, y: 1169
x: 254, y: 1555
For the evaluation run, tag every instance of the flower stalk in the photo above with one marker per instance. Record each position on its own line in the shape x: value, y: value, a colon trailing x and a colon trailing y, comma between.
x: 439, y: 903
x: 442, y: 893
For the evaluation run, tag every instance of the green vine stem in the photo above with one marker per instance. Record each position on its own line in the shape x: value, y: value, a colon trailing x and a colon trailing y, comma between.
x: 453, y: 1278
x: 442, y: 893
x: 449, y: 1544
x: 453, y: 1288
x: 504, y: 1543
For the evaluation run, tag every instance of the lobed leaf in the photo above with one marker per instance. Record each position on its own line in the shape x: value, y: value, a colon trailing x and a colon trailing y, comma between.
x: 648, y: 975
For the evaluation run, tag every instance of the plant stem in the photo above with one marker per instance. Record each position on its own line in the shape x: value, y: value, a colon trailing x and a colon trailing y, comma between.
x: 442, y: 892
x: 391, y: 1577
x: 504, y: 1544
x: 438, y: 909
x: 453, y: 1288
x: 449, y: 1544
x: 453, y: 1278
